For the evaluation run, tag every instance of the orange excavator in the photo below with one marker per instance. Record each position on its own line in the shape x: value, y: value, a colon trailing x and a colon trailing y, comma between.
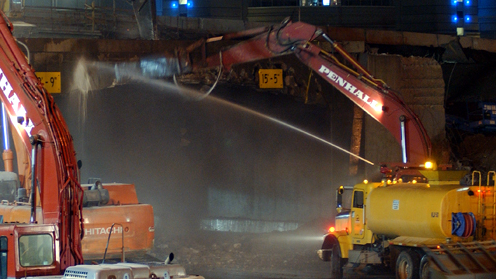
x: 46, y: 240
x: 355, y: 82
x: 47, y: 188
x: 421, y: 222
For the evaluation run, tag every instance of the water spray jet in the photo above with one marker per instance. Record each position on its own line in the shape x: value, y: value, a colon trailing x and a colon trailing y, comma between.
x: 104, y: 69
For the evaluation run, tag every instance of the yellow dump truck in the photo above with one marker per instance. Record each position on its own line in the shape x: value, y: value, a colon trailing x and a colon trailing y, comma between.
x: 439, y: 229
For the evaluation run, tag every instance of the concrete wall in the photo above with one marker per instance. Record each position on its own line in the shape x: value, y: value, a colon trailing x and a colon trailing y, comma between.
x: 427, y: 16
x: 367, y: 17
x: 412, y: 15
x: 200, y: 163
x: 420, y: 82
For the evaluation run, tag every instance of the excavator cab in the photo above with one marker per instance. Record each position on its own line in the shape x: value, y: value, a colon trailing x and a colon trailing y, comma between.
x: 9, y: 185
x: 25, y: 249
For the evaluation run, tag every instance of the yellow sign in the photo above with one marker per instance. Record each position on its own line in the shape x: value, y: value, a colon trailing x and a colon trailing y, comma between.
x: 50, y: 80
x: 270, y: 78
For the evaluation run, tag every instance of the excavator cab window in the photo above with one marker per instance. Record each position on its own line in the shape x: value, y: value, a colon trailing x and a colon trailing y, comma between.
x: 3, y: 257
x: 36, y: 250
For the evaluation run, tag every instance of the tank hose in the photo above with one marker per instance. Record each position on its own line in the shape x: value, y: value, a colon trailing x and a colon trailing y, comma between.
x: 463, y: 224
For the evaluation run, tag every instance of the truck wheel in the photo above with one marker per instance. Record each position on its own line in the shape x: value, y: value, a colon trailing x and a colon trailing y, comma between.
x: 336, y: 263
x: 424, y: 272
x: 407, y: 265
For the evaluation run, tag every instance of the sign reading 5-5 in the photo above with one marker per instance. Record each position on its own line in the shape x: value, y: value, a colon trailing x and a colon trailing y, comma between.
x: 50, y: 80
x: 270, y: 78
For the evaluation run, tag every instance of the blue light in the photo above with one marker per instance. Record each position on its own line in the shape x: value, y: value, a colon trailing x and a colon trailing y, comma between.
x: 454, y: 2
x: 174, y: 4
x: 467, y: 2
x: 467, y: 18
x: 189, y: 4
x: 454, y: 18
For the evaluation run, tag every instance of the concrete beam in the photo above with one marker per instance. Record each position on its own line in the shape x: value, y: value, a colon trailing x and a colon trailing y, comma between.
x: 384, y: 37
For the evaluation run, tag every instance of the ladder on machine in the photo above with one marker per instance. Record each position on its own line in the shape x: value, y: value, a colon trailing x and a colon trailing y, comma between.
x: 486, y: 206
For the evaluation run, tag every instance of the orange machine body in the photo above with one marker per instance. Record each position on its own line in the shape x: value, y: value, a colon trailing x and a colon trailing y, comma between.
x: 123, y: 208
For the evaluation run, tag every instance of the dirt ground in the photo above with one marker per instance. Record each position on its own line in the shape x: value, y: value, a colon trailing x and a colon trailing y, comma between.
x: 223, y: 254
x: 219, y: 255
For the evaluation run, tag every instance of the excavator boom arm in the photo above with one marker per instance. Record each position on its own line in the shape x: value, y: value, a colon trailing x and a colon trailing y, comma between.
x: 367, y: 92
x: 381, y: 104
x: 354, y: 81
x: 38, y: 121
